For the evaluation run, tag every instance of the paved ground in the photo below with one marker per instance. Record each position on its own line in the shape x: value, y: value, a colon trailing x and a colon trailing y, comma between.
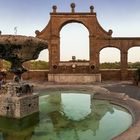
x: 124, y: 87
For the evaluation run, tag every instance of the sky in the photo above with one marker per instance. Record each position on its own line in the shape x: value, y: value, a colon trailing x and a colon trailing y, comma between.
x: 122, y: 16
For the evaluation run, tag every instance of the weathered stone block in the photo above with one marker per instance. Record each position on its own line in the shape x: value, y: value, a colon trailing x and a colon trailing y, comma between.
x: 18, y: 107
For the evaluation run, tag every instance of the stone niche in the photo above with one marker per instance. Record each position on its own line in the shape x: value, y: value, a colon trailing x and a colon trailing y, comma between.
x: 14, y: 104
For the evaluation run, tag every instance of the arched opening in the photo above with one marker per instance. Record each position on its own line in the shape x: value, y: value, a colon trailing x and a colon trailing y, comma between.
x: 41, y: 63
x: 134, y: 57
x: 44, y: 55
x: 110, y: 58
x: 74, y: 42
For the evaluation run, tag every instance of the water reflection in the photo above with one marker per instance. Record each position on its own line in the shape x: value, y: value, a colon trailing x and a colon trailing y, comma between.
x: 18, y: 129
x: 73, y: 115
x: 68, y: 116
x: 75, y: 108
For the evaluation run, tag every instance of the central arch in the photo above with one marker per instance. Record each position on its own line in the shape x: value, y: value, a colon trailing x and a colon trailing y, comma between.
x: 52, y: 33
x: 74, y: 38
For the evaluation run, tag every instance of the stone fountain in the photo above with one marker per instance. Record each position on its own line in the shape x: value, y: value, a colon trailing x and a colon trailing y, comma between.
x: 17, y: 99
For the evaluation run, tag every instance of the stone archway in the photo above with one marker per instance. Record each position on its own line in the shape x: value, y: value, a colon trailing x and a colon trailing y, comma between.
x: 58, y: 20
x: 98, y: 38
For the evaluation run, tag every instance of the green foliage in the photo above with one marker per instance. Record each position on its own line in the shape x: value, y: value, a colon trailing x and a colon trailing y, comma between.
x: 138, y: 73
x: 33, y: 65
x: 43, y: 65
x: 38, y: 65
x: 137, y: 76
x: 6, y: 65
x: 116, y: 65
x: 135, y: 65
x: 109, y: 65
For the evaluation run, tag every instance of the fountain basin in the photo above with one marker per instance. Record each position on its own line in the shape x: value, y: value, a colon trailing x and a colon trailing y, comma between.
x: 130, y: 104
x: 89, y: 112
x: 76, y: 115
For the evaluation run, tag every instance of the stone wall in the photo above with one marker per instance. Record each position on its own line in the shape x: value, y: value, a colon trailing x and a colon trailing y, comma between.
x: 110, y: 74
x: 115, y: 74
x: 106, y: 75
x: 74, y: 67
x: 32, y: 75
x: 74, y: 78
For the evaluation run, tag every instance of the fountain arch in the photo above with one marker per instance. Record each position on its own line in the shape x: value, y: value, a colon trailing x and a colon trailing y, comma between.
x: 98, y: 38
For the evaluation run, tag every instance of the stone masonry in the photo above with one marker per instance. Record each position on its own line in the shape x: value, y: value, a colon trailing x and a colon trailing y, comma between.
x: 98, y: 39
x: 16, y: 101
x: 18, y: 107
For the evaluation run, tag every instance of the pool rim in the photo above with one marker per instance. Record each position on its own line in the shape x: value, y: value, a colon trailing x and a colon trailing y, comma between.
x: 120, y: 99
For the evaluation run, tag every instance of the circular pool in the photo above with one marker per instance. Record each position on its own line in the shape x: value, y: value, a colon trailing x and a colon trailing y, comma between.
x: 70, y: 115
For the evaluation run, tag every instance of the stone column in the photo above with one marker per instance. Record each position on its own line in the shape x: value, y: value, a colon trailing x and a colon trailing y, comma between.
x: 54, y: 52
x: 124, y: 65
x: 94, y: 55
x: 50, y: 57
x: 91, y: 49
x: 97, y: 54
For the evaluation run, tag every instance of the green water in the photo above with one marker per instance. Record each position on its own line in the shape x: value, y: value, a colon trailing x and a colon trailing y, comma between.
x: 68, y: 116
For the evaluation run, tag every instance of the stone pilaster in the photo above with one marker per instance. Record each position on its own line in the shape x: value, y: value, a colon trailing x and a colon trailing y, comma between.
x: 124, y: 65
